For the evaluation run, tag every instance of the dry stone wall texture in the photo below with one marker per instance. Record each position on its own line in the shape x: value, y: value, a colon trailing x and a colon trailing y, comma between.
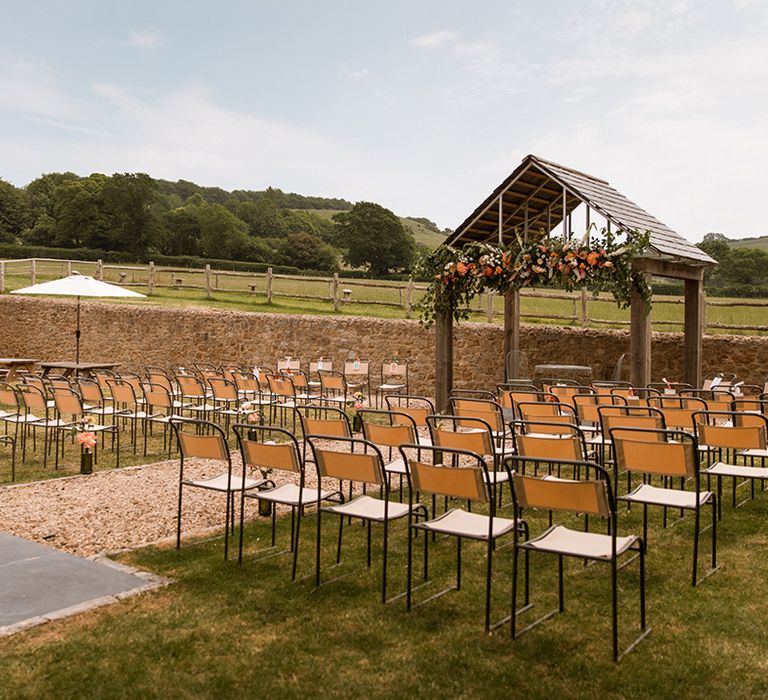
x: 136, y: 335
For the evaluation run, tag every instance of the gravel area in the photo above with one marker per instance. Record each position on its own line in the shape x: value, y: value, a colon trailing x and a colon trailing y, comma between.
x: 116, y: 509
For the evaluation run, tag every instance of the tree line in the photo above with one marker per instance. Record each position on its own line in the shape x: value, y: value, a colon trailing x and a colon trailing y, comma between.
x: 740, y: 272
x: 142, y: 216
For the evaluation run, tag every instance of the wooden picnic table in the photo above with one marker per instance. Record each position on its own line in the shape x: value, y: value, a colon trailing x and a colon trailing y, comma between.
x: 14, y: 364
x: 68, y: 368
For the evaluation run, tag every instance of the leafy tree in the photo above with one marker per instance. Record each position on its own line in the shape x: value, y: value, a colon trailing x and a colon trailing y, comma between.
x: 180, y: 232
x: 81, y: 217
x: 307, y: 252
x: 11, y: 211
x: 128, y: 199
x: 374, y: 238
x: 222, y: 234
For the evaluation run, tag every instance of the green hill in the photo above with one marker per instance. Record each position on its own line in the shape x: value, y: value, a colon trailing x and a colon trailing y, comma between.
x: 422, y: 232
x: 759, y: 242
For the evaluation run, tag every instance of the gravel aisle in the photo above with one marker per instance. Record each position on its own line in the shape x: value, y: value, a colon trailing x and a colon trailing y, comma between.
x: 111, y: 510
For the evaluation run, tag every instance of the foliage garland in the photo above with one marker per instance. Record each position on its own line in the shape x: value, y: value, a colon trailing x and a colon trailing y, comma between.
x: 598, y: 264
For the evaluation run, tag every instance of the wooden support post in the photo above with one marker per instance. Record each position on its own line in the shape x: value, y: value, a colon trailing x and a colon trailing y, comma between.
x: 208, y: 292
x: 409, y: 298
x: 33, y: 271
x: 639, y: 341
x: 489, y: 309
x: 2, y: 276
x: 69, y: 268
x: 269, y: 285
x: 512, y: 332
x: 335, y: 292
x: 151, y: 278
x: 100, y: 270
x: 693, y: 329
x: 584, y: 318
x: 443, y: 359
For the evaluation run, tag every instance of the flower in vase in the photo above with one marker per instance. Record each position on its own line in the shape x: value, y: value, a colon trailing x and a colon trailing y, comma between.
x: 87, y: 440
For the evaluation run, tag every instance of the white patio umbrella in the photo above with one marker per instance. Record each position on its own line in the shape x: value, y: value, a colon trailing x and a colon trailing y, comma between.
x: 77, y: 285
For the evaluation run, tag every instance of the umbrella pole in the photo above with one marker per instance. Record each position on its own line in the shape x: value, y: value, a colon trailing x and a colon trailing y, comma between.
x: 77, y: 334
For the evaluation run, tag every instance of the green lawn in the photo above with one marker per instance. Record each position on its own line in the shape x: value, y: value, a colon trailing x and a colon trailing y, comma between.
x: 224, y: 630
x: 233, y: 292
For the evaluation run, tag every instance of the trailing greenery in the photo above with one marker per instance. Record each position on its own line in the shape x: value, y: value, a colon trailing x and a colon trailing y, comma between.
x: 598, y: 264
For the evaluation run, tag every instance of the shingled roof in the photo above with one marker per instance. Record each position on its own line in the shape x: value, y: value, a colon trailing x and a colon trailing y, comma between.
x: 552, y: 190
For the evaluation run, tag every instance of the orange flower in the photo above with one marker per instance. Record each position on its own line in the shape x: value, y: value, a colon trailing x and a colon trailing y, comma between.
x: 498, y: 270
x: 592, y: 258
x: 461, y: 268
x: 87, y: 440
x: 488, y: 271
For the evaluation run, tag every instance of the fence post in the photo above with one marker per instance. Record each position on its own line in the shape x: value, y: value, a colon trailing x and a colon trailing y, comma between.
x: 100, y: 270
x: 409, y: 298
x: 208, y: 294
x: 574, y: 312
x: 335, y: 292
x: 584, y: 317
x: 2, y: 276
x: 489, y: 309
x: 151, y: 278
x: 269, y: 285
x: 33, y: 270
x: 69, y: 268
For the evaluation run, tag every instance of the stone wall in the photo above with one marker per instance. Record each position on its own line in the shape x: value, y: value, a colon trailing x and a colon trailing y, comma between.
x: 135, y: 335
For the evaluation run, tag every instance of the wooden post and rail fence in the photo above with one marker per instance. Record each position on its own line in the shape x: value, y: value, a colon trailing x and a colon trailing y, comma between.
x: 340, y: 291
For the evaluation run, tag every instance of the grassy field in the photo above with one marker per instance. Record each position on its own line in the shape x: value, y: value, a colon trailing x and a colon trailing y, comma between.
x: 233, y: 291
x: 223, y: 630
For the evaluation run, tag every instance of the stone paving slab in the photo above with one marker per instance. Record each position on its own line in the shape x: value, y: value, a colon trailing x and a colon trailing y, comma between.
x: 39, y: 583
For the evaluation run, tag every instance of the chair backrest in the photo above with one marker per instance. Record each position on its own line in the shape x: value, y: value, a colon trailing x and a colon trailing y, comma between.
x: 324, y: 420
x: 586, y: 406
x: 643, y: 417
x: 332, y: 381
x: 545, y: 446
x: 9, y: 398
x: 362, y: 467
x: 489, y: 411
x: 516, y: 365
x: 392, y: 434
x: 545, y: 410
x: 715, y: 399
x: 122, y: 392
x: 357, y: 368
x: 510, y: 396
x: 320, y: 363
x: 90, y: 391
x: 394, y: 369
x: 416, y: 407
x: 591, y: 496
x: 259, y: 449
x: 445, y: 432
x: 656, y: 452
x: 731, y: 431
x: 289, y: 362
x: 566, y: 393
x: 448, y: 472
x: 160, y: 379
x: 190, y: 386
x: 223, y: 389
x: 67, y: 402
x: 209, y: 445
x: 281, y: 386
x: 158, y: 396
x: 678, y: 410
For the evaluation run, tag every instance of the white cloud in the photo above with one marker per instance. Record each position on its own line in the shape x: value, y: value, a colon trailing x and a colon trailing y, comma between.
x: 143, y: 39
x: 29, y: 88
x: 355, y: 75
x: 434, y: 40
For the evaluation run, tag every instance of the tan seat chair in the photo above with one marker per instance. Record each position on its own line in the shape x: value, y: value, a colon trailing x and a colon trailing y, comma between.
x: 393, y: 379
x: 337, y: 459
x: 199, y: 439
x: 733, y: 442
x: 668, y: 456
x: 273, y: 450
x: 586, y: 489
x: 463, y: 475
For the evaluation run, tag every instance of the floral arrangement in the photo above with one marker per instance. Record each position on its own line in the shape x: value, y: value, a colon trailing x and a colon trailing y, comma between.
x: 357, y: 401
x: 597, y: 264
x: 84, y: 434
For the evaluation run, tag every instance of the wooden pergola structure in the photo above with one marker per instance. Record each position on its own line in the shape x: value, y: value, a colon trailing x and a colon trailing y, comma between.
x: 541, y: 195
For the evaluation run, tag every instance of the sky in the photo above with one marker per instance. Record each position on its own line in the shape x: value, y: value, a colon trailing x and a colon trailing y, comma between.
x: 424, y: 106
